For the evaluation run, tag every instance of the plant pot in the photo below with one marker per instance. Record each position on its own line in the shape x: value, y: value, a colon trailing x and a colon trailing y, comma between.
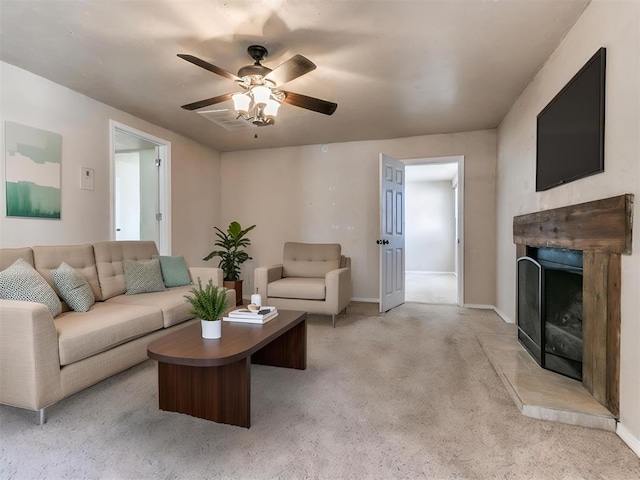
x: 237, y: 286
x: 211, y: 329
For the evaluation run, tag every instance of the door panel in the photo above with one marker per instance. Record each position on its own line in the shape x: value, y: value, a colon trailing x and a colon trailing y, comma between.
x: 392, y: 187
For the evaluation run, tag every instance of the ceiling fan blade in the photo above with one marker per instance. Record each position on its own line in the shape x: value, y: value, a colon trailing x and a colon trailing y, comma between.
x: 208, y: 66
x: 208, y: 101
x: 310, y: 103
x: 293, y: 68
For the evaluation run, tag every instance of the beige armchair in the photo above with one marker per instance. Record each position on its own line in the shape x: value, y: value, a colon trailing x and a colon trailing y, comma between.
x: 313, y: 277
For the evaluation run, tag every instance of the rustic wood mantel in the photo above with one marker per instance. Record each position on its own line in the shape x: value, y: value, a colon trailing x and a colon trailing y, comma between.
x: 602, y: 229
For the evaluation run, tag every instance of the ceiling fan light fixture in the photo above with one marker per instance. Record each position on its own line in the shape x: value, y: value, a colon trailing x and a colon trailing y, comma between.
x: 241, y: 102
x: 261, y: 94
x: 271, y: 108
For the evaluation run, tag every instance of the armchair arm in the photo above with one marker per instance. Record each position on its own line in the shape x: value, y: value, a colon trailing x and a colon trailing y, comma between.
x: 338, y: 284
x: 29, y: 358
x: 263, y: 276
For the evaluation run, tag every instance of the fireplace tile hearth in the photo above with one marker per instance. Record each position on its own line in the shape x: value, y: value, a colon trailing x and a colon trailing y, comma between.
x: 540, y: 393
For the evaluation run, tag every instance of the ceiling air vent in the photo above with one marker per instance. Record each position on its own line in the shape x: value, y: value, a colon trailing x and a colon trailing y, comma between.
x: 226, y: 119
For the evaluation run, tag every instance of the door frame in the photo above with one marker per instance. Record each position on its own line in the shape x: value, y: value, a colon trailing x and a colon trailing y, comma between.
x: 164, y: 184
x: 459, y: 159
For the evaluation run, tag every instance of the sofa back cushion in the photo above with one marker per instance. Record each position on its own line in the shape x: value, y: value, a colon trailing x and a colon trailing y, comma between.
x: 109, y: 257
x: 80, y: 257
x: 310, y: 260
x: 9, y: 255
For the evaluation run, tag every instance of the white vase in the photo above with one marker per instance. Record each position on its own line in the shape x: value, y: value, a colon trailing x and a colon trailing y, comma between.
x: 211, y: 329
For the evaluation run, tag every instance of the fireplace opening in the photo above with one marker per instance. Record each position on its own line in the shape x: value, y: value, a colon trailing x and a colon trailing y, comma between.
x: 550, y: 308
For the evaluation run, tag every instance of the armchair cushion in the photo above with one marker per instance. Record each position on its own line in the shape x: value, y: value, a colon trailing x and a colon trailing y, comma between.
x: 310, y: 260
x: 301, y: 288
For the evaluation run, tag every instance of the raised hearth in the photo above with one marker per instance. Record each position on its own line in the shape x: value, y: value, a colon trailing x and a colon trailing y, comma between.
x: 540, y: 393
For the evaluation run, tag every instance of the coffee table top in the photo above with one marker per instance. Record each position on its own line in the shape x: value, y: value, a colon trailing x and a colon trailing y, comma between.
x: 239, y: 340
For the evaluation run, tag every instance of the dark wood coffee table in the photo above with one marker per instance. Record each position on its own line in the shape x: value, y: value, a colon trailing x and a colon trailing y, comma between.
x: 211, y: 379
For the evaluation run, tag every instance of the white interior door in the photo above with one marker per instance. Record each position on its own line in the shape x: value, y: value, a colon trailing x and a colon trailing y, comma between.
x: 391, y: 241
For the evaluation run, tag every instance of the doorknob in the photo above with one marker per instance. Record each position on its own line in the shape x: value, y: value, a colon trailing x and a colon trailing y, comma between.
x: 382, y: 242
x: 378, y: 242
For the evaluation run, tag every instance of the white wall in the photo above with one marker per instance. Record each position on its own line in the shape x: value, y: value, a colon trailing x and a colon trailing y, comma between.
x: 84, y: 126
x: 304, y: 194
x: 430, y: 226
x: 616, y: 26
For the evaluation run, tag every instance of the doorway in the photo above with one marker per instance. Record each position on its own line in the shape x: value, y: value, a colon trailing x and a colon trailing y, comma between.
x: 140, y: 187
x: 433, y: 268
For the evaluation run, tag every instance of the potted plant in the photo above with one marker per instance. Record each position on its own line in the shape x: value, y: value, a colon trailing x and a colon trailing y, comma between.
x: 208, y: 304
x: 231, y: 252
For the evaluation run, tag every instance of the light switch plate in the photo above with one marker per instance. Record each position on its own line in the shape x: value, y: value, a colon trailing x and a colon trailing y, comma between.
x: 86, y: 178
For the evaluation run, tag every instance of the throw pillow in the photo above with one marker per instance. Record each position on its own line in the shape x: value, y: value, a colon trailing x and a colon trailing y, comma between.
x: 143, y: 277
x: 174, y: 270
x: 22, y: 282
x: 73, y: 288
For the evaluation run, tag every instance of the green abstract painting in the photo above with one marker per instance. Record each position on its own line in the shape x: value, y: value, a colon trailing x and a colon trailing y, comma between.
x: 32, y: 171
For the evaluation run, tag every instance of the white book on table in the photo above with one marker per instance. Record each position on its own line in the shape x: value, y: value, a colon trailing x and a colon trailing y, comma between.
x: 264, y: 319
x: 246, y: 313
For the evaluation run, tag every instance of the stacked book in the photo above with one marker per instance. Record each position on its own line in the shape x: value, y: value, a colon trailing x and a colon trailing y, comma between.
x: 244, y: 315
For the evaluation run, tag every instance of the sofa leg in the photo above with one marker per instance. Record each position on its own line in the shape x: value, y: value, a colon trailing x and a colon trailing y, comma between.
x: 333, y: 318
x: 42, y: 416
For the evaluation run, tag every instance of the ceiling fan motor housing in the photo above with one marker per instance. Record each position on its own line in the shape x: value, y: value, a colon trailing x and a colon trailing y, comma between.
x: 258, y: 53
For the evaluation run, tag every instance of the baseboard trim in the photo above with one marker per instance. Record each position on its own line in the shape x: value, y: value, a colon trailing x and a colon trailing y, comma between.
x: 629, y: 438
x: 479, y: 306
x: 502, y: 315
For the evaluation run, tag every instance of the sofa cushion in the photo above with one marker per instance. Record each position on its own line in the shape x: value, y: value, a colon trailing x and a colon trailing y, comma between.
x: 304, y: 288
x: 143, y: 277
x: 109, y: 257
x: 73, y: 288
x: 80, y: 257
x: 9, y: 255
x: 106, y: 325
x: 22, y: 282
x: 175, y: 309
x: 174, y: 270
x: 310, y: 260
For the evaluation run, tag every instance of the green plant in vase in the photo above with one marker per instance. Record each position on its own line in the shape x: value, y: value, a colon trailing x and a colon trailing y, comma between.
x: 231, y: 250
x: 208, y: 304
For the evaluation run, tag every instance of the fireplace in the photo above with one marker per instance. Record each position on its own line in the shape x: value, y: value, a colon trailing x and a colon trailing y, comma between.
x: 602, y: 231
x: 549, y: 307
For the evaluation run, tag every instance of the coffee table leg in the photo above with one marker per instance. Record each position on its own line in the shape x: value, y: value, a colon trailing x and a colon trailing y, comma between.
x: 289, y: 350
x: 221, y: 394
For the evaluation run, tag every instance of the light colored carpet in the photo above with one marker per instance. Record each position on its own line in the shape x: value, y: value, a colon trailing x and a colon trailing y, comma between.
x: 439, y: 288
x: 409, y: 394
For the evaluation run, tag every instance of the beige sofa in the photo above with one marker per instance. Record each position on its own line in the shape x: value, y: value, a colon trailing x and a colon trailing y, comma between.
x: 43, y: 360
x: 313, y: 277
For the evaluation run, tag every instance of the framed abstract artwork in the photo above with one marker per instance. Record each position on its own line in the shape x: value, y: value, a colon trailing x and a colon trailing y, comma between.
x: 33, y: 159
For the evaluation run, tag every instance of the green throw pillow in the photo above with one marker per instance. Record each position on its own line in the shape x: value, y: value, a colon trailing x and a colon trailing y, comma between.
x: 73, y: 288
x: 174, y: 270
x: 143, y: 277
x: 22, y: 282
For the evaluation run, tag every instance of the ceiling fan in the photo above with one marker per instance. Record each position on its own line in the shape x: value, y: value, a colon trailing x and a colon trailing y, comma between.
x: 262, y: 95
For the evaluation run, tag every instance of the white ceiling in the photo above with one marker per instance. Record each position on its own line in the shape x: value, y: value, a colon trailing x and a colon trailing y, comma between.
x: 395, y: 68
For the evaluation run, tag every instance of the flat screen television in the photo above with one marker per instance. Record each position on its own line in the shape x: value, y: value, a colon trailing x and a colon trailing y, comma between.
x: 570, y: 130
